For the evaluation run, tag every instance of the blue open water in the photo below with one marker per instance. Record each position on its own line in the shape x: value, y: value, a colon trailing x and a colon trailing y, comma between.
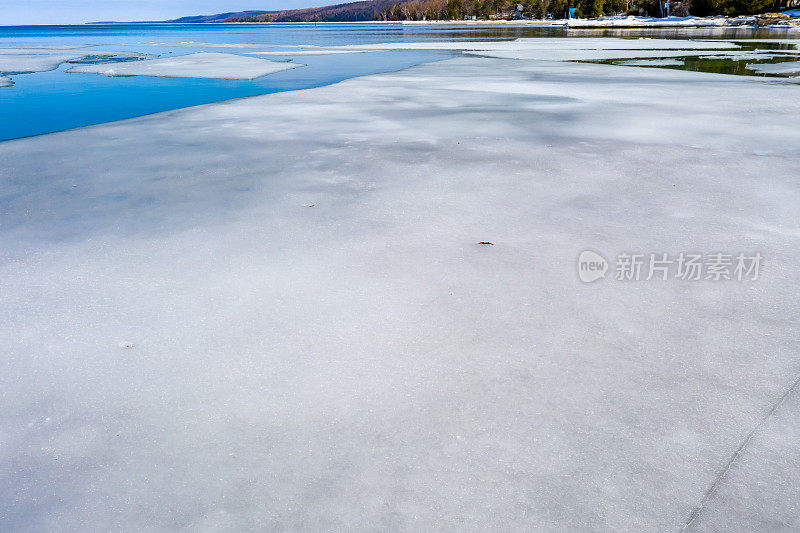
x: 51, y: 101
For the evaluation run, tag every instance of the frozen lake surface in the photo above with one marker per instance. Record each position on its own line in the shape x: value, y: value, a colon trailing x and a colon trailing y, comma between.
x: 276, y: 313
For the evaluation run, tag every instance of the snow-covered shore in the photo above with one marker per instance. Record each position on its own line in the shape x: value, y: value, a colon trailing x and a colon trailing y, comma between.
x: 621, y: 22
x: 660, y: 22
x: 272, y: 313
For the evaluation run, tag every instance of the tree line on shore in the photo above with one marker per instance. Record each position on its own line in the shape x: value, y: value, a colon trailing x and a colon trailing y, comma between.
x: 540, y: 9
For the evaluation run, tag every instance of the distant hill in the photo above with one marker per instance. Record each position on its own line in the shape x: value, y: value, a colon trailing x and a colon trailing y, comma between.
x: 195, y: 19
x: 350, y: 12
x: 220, y: 17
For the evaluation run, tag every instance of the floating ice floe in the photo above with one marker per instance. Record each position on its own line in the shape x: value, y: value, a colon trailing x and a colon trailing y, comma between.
x: 787, y: 67
x: 740, y: 56
x: 584, y: 55
x: 305, y: 52
x: 652, y: 63
x: 566, y: 49
x: 200, y: 65
x: 28, y: 60
x: 194, y: 44
x: 5, y: 81
x: 593, y: 43
x: 23, y: 60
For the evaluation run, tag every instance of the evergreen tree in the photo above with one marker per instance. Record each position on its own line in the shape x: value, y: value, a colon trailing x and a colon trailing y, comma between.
x: 743, y: 7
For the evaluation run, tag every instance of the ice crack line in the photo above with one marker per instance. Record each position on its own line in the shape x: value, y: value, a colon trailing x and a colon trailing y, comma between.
x: 721, y: 476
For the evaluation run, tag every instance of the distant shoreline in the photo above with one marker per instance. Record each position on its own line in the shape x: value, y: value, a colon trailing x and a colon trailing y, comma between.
x: 603, y: 22
x: 599, y: 23
x: 626, y: 22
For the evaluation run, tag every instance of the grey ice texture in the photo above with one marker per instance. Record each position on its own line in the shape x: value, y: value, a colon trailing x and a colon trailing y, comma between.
x: 187, y: 345
x: 652, y: 63
x: 786, y: 67
x: 314, y: 52
x: 26, y: 60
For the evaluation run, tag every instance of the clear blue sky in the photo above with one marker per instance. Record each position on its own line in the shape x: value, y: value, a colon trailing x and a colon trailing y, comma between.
x: 14, y: 12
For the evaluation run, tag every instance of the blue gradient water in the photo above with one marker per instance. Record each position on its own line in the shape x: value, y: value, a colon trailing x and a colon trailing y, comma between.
x: 52, y: 101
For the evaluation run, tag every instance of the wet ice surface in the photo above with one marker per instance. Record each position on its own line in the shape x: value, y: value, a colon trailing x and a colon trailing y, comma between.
x: 25, y: 60
x: 787, y: 67
x: 566, y: 49
x: 521, y: 46
x: 652, y: 63
x: 316, y: 52
x: 761, y: 492
x: 743, y: 56
x: 199, y: 65
x: 635, y: 51
x: 28, y: 60
x: 189, y: 345
x: 34, y: 60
